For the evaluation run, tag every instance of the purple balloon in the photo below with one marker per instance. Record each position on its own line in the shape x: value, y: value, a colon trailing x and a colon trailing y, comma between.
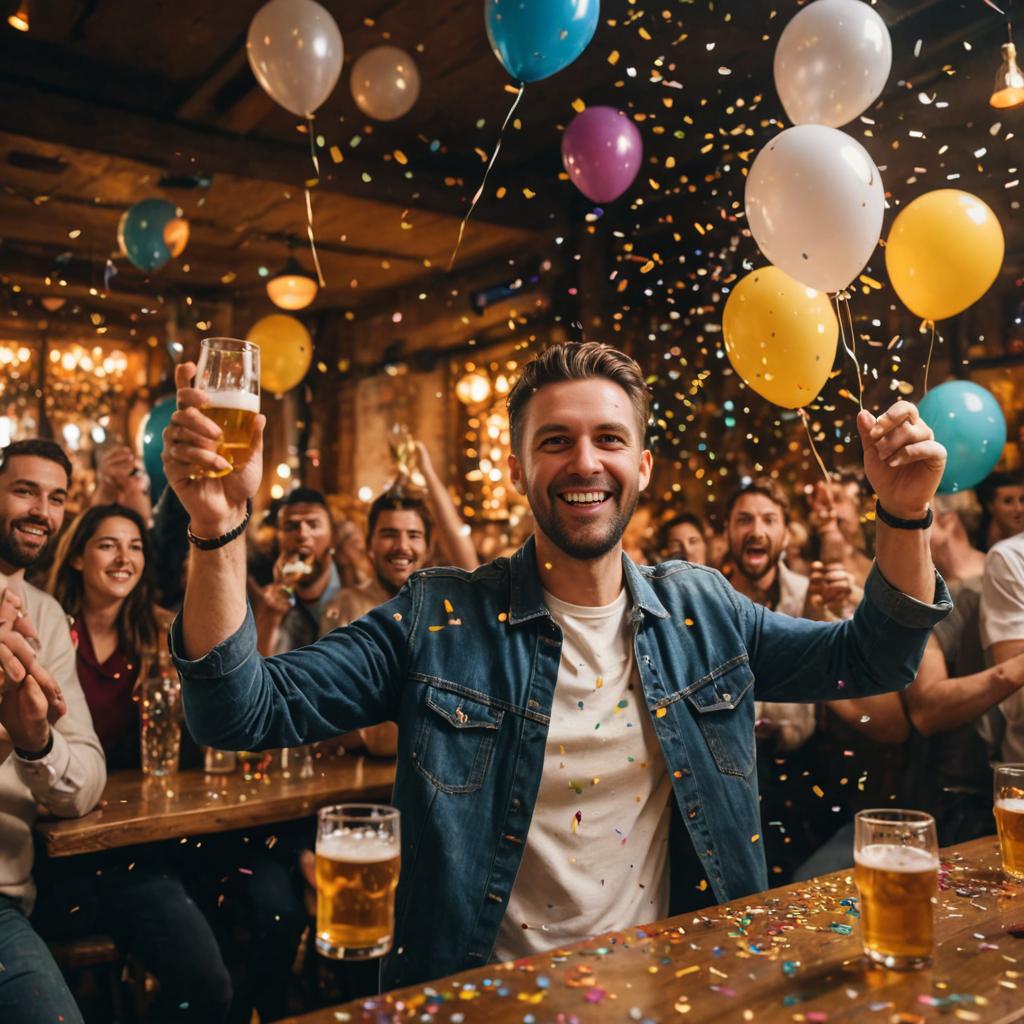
x: 602, y: 151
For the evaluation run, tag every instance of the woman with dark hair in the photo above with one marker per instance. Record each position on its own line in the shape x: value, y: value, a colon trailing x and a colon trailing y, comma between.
x: 1001, y: 496
x: 101, y: 578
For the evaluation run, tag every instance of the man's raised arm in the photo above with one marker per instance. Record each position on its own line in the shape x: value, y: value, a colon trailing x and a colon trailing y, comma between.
x: 904, y: 464
x: 215, y: 602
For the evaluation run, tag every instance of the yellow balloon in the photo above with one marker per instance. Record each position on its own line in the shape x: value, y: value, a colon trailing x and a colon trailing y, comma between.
x: 286, y: 350
x: 780, y: 336
x: 943, y: 253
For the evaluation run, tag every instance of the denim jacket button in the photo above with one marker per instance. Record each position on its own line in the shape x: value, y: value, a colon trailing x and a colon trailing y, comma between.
x: 727, y: 697
x: 516, y: 805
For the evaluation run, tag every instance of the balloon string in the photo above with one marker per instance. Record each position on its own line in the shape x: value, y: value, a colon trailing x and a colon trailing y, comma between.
x: 850, y: 351
x: 817, y: 457
x: 309, y: 202
x: 483, y: 184
x: 928, y: 362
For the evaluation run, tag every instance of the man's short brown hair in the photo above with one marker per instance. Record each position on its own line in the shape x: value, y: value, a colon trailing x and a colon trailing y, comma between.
x: 574, y: 360
x: 771, y: 489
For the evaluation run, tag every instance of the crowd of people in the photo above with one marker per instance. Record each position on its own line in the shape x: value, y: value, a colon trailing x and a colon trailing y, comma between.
x: 87, y: 605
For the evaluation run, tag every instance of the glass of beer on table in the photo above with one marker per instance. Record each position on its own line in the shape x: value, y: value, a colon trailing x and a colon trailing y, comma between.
x: 896, y: 868
x: 1009, y: 812
x: 229, y: 372
x: 358, y: 853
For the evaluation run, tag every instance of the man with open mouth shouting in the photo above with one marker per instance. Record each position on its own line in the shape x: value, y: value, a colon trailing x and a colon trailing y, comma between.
x: 576, y: 732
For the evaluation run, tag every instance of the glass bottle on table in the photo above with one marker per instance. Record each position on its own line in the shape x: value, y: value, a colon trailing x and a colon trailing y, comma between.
x: 160, y: 719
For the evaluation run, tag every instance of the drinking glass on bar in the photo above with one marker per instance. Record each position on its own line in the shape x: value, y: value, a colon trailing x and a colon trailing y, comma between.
x: 229, y: 372
x: 160, y: 715
x: 1009, y: 812
x: 358, y: 853
x: 896, y: 868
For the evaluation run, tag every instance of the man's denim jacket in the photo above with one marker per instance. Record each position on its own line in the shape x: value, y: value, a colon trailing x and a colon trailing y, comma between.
x: 466, y: 664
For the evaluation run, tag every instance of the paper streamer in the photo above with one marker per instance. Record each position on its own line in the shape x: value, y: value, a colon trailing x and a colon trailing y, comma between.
x: 309, y: 202
x: 842, y: 299
x: 483, y: 184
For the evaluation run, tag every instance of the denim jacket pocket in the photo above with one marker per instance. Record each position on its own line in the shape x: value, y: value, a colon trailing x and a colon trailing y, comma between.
x: 455, y: 740
x: 726, y: 722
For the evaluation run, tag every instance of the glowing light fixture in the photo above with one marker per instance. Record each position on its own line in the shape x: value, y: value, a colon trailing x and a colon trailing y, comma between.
x: 1008, y: 90
x: 292, y: 287
x: 473, y: 389
x: 21, y: 18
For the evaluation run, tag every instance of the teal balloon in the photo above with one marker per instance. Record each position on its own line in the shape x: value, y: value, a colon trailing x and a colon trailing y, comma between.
x: 969, y: 423
x: 536, y: 39
x: 153, y: 442
x: 140, y: 233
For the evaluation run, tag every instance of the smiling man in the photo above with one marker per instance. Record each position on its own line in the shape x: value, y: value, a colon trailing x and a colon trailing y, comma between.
x: 49, y: 752
x: 576, y: 732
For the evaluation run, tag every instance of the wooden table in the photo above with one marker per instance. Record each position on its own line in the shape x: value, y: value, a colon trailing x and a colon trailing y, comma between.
x: 140, y: 809
x: 790, y: 954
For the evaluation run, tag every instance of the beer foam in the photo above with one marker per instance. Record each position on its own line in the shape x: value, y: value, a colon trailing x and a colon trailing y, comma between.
x: 896, y: 858
x: 244, y: 400
x: 1013, y: 804
x: 356, y: 847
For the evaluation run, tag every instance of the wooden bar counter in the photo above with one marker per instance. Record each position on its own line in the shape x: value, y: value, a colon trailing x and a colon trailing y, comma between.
x: 140, y: 809
x: 789, y: 954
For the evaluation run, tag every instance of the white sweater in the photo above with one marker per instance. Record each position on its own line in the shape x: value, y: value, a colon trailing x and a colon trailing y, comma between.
x: 69, y: 780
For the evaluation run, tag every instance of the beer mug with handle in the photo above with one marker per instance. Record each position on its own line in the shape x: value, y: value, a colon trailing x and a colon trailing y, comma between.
x: 358, y: 854
x: 1009, y: 812
x: 896, y: 868
x: 229, y: 372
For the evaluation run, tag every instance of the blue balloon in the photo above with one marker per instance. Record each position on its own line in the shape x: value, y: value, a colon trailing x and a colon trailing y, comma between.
x: 968, y: 421
x: 153, y: 442
x: 535, y: 39
x: 141, y: 233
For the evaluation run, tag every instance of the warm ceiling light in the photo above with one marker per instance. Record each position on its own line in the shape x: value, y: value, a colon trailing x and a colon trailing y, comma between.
x: 51, y: 303
x: 292, y: 287
x: 1009, y: 88
x: 20, y: 18
x: 473, y: 389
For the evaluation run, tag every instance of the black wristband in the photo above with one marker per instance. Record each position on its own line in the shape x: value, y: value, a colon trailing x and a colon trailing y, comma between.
x: 213, y: 543
x: 903, y: 524
x: 37, y: 755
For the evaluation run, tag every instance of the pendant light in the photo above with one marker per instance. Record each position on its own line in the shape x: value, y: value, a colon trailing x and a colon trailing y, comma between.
x: 292, y: 287
x: 1009, y: 86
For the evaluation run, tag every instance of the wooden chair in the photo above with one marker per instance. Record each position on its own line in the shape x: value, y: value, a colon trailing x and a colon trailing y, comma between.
x: 98, y: 974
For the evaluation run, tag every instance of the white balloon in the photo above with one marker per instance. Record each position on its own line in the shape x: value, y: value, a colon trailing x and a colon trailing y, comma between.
x: 385, y: 83
x: 832, y: 62
x: 815, y: 203
x: 295, y: 51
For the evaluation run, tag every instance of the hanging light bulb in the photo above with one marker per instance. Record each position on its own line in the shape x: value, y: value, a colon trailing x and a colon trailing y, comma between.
x: 292, y: 287
x: 1009, y: 88
x: 473, y: 389
x: 21, y: 18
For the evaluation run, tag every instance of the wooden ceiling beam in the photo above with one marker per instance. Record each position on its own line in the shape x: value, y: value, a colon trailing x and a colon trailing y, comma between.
x: 58, y: 117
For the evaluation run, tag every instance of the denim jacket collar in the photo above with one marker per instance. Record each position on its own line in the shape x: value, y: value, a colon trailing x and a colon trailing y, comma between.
x: 527, y: 598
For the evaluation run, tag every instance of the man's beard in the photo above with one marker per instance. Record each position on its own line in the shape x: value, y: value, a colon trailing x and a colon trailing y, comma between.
x: 11, y: 551
x: 585, y: 548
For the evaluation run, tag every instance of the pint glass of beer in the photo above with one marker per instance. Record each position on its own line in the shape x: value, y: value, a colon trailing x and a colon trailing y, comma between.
x: 896, y: 868
x: 229, y: 373
x: 1009, y: 812
x: 358, y: 852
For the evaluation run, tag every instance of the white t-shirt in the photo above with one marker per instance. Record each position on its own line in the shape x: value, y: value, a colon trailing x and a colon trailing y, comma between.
x: 1002, y: 618
x: 596, y: 856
